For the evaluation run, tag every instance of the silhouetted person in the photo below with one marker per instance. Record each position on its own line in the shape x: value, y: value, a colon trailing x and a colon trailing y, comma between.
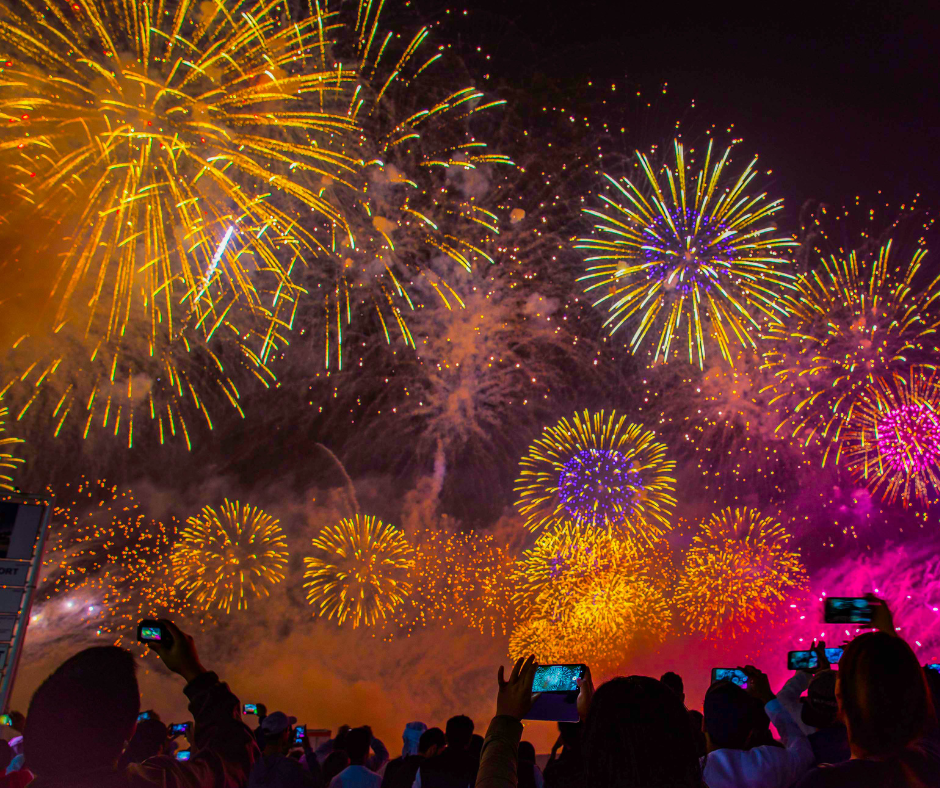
x: 564, y: 770
x: 456, y: 767
x: 400, y: 772
x: 357, y: 774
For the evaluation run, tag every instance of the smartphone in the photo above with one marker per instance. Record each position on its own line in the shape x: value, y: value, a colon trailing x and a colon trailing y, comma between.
x: 177, y: 729
x: 847, y: 610
x: 557, y: 686
x: 183, y: 755
x: 557, y: 678
x: 739, y: 677
x: 150, y: 631
x: 6, y: 719
x: 250, y: 708
x: 806, y: 660
x: 300, y: 734
x: 145, y: 715
x: 934, y: 666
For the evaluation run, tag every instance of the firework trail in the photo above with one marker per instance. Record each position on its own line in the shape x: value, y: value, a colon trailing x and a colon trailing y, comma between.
x: 598, y: 470
x: 163, y: 151
x: 359, y: 571
x: 738, y: 568
x: 9, y: 462
x: 687, y: 257
x: 225, y: 559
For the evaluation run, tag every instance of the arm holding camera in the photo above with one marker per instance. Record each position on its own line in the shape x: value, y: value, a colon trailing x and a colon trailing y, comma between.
x: 798, y: 683
x: 499, y: 758
x: 223, y: 747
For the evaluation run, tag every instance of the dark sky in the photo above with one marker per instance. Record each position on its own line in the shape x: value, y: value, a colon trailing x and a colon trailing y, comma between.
x: 838, y: 98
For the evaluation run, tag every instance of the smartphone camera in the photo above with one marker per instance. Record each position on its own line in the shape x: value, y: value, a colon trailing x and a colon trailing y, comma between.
x: 934, y: 666
x: 250, y: 708
x: 150, y: 631
x: 177, y: 729
x: 847, y: 610
x: 733, y: 675
x: 183, y: 755
x: 300, y: 735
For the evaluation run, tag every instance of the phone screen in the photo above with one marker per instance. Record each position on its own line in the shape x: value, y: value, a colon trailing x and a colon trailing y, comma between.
x: 806, y: 660
x: 300, y: 733
x: 150, y: 633
x: 739, y: 677
x: 935, y: 666
x: 557, y: 678
x: 183, y: 755
x: 250, y: 708
x: 178, y: 729
x: 847, y: 610
x: 145, y: 715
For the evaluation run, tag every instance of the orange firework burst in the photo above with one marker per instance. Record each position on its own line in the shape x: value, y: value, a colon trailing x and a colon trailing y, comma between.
x: 589, y: 592
x: 224, y: 559
x: 600, y: 471
x: 892, y: 441
x: 460, y: 579
x: 8, y: 461
x: 360, y: 571
x: 738, y: 568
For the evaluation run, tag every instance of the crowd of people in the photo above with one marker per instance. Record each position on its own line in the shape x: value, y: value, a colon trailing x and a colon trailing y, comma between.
x: 872, y: 722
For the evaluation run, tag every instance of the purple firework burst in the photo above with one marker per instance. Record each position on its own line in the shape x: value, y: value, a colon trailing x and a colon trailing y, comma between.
x: 599, y: 486
x: 692, y: 244
x: 909, y: 438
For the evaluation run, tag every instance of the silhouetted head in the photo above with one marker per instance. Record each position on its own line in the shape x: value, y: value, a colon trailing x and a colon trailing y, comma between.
x: 458, y: 732
x: 637, y: 733
x: 81, y: 717
x: 674, y: 682
x: 358, y: 742
x: 882, y: 695
x: 432, y: 741
x: 729, y: 717
x: 526, y: 752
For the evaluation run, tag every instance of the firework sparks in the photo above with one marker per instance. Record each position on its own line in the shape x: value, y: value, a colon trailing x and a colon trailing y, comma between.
x: 597, y: 470
x: 413, y: 206
x: 165, y: 150
x: 224, y: 559
x: 460, y: 579
x: 360, y: 571
x: 688, y: 260
x: 893, y: 439
x: 852, y: 323
x: 9, y: 462
x: 738, y: 568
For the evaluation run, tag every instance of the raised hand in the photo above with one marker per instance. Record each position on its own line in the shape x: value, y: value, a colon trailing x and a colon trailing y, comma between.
x: 515, y: 698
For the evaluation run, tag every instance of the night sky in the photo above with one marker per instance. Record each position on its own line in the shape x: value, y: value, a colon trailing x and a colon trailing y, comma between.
x: 839, y: 99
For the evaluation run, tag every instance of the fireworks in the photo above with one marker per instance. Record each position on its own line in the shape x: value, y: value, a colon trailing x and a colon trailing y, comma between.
x: 738, y: 568
x: 162, y: 155
x: 688, y: 260
x: 852, y: 324
x: 585, y: 591
x: 221, y: 560
x: 8, y: 461
x: 460, y: 579
x: 599, y: 471
x: 413, y: 206
x: 359, y: 572
x: 102, y: 549
x: 892, y: 441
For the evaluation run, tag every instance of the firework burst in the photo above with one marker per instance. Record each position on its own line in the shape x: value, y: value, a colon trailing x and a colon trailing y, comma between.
x: 165, y: 151
x: 359, y: 572
x: 600, y: 471
x: 738, y: 568
x: 9, y: 462
x: 224, y: 559
x: 892, y: 442
x: 460, y: 579
x: 853, y: 324
x: 686, y: 257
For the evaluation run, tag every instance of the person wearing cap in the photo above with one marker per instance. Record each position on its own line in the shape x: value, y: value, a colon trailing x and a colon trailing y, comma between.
x: 734, y: 720
x: 275, y: 769
x: 817, y: 712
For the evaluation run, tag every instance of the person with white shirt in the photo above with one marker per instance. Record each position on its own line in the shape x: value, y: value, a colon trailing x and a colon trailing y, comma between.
x: 733, y: 724
x: 357, y: 774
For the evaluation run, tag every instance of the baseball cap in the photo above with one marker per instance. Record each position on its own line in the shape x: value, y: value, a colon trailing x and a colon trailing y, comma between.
x: 277, y: 722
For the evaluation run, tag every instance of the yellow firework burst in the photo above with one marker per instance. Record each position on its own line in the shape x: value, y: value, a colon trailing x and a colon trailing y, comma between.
x: 9, y: 462
x: 738, y: 568
x: 892, y: 441
x: 224, y: 558
x: 599, y: 471
x: 852, y: 323
x: 359, y: 571
x: 683, y: 256
x: 161, y: 157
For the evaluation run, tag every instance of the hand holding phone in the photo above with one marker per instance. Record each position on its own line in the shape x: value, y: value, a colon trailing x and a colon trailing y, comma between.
x: 848, y: 610
x: 514, y: 698
x: 557, y: 691
x: 173, y: 646
x: 150, y: 631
